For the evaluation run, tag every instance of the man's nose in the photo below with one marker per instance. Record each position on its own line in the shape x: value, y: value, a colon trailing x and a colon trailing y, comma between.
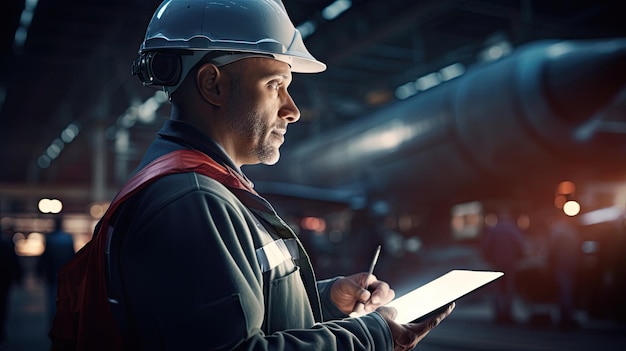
x: 289, y: 110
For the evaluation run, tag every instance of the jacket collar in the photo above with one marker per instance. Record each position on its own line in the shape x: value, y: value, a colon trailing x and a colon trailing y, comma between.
x: 185, y: 134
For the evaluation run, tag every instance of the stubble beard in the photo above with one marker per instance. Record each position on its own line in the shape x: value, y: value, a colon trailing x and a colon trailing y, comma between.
x: 249, y: 125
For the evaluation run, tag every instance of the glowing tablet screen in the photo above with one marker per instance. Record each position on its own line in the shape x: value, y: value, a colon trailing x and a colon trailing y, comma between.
x: 439, y: 293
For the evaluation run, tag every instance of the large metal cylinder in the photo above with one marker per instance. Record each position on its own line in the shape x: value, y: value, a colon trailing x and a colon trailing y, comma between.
x: 514, y: 120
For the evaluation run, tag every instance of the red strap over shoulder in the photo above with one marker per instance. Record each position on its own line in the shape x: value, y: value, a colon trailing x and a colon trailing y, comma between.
x: 88, y: 324
x: 180, y: 161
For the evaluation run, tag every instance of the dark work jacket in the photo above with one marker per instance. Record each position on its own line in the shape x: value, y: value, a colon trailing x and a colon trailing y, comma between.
x: 189, y: 268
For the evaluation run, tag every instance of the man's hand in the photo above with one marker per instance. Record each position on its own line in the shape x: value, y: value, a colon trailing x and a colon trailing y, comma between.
x: 348, y: 291
x: 406, y: 336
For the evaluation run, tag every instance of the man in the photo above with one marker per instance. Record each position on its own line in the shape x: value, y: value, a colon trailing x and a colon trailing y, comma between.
x: 503, y: 246
x: 563, y: 258
x: 58, y: 252
x: 11, y: 273
x: 193, y: 264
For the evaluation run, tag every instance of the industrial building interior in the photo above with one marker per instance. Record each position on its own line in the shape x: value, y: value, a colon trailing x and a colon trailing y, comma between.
x: 431, y: 117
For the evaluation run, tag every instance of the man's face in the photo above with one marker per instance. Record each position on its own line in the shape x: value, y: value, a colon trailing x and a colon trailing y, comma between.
x: 259, y: 109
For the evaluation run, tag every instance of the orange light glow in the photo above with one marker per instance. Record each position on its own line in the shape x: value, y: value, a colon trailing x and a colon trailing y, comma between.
x: 31, y: 245
x: 97, y: 210
x: 313, y: 224
x: 491, y: 220
x: 523, y: 222
x: 559, y: 201
x: 566, y: 187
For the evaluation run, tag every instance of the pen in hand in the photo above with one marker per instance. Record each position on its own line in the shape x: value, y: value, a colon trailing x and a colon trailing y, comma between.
x: 360, y: 306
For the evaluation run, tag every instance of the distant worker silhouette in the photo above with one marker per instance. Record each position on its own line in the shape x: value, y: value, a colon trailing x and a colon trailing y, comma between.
x: 564, y: 257
x: 503, y: 247
x: 10, y: 274
x: 59, y: 251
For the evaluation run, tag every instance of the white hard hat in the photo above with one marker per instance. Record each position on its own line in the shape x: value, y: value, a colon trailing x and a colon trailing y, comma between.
x: 242, y: 28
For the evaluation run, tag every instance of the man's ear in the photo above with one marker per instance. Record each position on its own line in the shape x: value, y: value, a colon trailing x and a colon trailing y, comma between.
x: 208, y: 80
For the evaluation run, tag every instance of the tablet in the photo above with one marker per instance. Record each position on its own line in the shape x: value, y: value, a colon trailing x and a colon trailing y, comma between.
x: 435, y: 296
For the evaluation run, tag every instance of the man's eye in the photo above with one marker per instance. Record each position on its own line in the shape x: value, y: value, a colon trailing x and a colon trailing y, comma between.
x: 274, y: 85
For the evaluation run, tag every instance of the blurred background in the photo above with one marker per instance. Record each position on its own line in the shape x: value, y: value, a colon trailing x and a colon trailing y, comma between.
x: 475, y: 134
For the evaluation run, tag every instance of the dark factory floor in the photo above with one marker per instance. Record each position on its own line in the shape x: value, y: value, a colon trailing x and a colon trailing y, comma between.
x: 468, y: 328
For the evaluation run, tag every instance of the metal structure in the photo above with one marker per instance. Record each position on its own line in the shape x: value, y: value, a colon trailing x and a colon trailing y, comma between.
x: 552, y: 110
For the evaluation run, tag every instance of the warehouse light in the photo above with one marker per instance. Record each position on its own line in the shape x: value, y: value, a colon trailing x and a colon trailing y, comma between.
x: 50, y: 206
x: 335, y: 9
x: 21, y: 33
x: 429, y: 80
x: 329, y: 13
x: 70, y: 132
x: 307, y: 28
x: 452, y: 71
x: 58, y: 144
x: 406, y: 90
x: 571, y: 208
